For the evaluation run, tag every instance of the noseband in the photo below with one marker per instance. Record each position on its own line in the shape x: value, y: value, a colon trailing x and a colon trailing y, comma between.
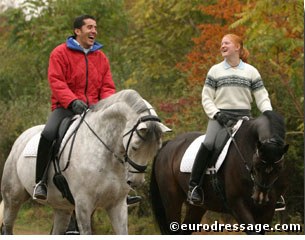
x: 266, y: 187
x: 138, y: 167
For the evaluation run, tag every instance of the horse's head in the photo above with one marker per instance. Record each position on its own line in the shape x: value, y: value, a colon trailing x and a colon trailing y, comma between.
x: 268, y: 162
x: 141, y: 144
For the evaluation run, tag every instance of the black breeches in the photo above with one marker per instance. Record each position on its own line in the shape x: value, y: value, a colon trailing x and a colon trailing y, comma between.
x: 47, y: 138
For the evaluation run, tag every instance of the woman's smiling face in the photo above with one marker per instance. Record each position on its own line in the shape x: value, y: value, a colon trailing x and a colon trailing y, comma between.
x: 228, y: 48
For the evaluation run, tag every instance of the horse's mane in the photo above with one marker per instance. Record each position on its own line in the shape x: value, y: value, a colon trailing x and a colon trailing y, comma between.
x: 130, y: 97
x: 276, y: 124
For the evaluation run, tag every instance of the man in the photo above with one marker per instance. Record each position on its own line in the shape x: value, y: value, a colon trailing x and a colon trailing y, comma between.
x: 79, y: 76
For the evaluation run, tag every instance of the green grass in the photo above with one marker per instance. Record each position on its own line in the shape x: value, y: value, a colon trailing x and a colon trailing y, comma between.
x: 34, y: 219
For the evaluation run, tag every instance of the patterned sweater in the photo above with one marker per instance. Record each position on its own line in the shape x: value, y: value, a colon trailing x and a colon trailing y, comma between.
x: 232, y: 88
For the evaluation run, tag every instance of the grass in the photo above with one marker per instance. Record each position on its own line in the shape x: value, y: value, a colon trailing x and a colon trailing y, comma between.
x: 35, y: 219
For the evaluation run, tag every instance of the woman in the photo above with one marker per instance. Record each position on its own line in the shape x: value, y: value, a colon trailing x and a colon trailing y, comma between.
x: 227, y: 94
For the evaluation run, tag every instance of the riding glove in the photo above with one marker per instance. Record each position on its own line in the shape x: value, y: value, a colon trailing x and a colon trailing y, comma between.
x: 222, y: 118
x: 78, y: 106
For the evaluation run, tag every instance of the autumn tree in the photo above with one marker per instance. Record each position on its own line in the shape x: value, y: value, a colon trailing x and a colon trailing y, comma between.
x: 206, y: 52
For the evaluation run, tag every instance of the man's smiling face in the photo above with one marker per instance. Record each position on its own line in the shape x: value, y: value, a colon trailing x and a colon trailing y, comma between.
x: 87, y: 33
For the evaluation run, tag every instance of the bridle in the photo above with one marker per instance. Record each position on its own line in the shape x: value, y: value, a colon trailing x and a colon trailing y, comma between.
x: 250, y: 169
x: 257, y: 183
x: 139, y: 168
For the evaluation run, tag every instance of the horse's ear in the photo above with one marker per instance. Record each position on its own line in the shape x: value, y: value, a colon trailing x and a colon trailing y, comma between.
x: 286, y: 148
x: 164, y: 128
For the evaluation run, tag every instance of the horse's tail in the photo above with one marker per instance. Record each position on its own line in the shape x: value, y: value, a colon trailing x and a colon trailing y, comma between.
x: 1, y: 212
x: 156, y: 201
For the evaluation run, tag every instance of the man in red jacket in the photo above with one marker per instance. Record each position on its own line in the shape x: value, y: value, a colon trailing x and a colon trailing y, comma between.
x: 79, y: 76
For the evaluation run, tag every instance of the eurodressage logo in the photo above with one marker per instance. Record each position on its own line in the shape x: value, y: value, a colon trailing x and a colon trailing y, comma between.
x: 221, y: 227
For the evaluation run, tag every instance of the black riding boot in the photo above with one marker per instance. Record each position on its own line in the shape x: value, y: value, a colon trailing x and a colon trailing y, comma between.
x: 42, y: 164
x: 195, y: 193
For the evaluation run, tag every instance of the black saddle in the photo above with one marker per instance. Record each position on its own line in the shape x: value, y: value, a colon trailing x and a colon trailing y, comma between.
x: 58, y: 179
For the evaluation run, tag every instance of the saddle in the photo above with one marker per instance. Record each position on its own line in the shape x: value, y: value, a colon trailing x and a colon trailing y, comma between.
x: 57, y: 148
x: 58, y: 179
x: 221, y: 147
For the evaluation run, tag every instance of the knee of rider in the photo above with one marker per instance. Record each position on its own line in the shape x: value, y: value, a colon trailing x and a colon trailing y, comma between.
x: 47, y: 135
x: 209, y: 145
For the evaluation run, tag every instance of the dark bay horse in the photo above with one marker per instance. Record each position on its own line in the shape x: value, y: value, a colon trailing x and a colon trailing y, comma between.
x: 251, y: 177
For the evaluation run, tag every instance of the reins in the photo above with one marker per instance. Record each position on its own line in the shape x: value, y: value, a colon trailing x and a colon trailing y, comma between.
x: 73, y: 134
x: 255, y: 182
x: 138, y: 167
x: 238, y: 151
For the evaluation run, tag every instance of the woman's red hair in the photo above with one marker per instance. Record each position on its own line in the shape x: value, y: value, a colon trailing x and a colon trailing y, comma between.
x: 237, y: 40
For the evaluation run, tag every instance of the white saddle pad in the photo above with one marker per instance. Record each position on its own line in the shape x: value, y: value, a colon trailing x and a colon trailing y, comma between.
x: 191, y: 152
x: 31, y: 148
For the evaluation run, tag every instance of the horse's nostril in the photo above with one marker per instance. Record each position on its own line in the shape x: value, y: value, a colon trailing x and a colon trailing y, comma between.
x: 129, y: 182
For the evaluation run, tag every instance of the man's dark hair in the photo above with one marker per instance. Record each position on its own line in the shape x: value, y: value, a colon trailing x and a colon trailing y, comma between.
x: 79, y: 21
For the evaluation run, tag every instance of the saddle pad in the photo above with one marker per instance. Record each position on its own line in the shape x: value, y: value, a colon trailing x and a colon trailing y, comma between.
x: 31, y: 148
x: 191, y: 152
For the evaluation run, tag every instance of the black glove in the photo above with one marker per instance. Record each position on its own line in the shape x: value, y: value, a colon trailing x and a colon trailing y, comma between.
x: 78, y: 106
x: 222, y: 118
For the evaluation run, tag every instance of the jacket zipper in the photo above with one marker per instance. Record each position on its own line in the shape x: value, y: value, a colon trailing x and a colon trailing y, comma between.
x: 87, y: 75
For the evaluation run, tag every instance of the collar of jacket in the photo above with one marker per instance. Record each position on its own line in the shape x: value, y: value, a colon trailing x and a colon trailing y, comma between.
x: 71, y: 44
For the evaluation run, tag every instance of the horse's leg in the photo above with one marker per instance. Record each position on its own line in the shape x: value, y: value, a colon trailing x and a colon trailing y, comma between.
x: 193, y: 215
x: 83, y: 212
x: 14, y: 195
x: 118, y: 215
x: 61, y: 221
x: 10, y: 211
x: 243, y: 215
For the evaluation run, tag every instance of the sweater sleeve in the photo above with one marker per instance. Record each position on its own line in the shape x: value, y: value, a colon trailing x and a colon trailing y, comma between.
x: 260, y: 93
x: 262, y: 100
x: 208, y: 96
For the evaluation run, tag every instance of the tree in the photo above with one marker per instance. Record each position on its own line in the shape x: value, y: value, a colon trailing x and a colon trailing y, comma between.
x: 158, y: 38
x: 205, y: 52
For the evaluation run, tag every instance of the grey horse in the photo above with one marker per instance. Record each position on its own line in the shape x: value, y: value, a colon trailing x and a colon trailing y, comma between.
x: 113, y: 145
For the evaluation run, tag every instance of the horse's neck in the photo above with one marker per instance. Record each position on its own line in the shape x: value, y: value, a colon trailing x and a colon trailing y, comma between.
x: 111, y: 121
x: 262, y: 128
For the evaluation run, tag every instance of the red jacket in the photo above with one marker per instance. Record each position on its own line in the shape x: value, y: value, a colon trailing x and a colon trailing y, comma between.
x: 74, y: 75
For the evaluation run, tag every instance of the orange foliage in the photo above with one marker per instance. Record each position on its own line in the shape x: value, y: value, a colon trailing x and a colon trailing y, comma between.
x: 205, y: 52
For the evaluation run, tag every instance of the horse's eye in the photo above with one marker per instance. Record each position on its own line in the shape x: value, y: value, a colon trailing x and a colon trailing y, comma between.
x: 142, y: 133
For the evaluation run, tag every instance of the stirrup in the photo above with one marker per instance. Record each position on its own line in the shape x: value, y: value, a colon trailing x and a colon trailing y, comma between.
x: 44, y: 196
x: 280, y: 205
x: 189, y: 198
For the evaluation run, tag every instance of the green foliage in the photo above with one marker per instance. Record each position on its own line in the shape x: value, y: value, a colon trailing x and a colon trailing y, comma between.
x: 159, y: 36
